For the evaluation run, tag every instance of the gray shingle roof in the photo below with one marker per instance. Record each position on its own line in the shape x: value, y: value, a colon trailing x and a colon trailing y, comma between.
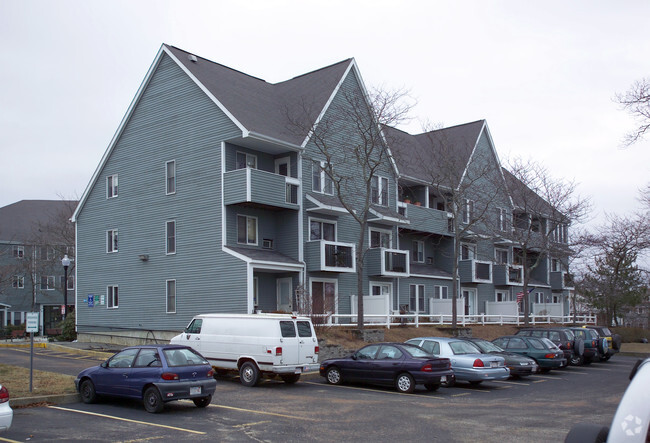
x: 20, y: 221
x: 262, y: 107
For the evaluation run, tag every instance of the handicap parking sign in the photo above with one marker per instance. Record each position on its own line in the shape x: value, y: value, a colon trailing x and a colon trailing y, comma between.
x: 91, y: 300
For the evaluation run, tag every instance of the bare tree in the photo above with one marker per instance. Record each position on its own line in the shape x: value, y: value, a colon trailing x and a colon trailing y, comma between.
x: 636, y: 101
x: 544, y: 209
x: 351, y: 150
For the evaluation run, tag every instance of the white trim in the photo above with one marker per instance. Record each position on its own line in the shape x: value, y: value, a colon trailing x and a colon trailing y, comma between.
x: 112, y: 238
x: 414, y: 256
x: 381, y: 231
x: 322, y: 220
x: 384, y: 218
x: 256, y: 229
x: 110, y: 297
x: 114, y: 185
x: 279, y: 161
x: 167, y: 237
x: 167, y: 311
x: 223, y: 206
x: 321, y: 206
x: 167, y: 177
x: 301, y: 219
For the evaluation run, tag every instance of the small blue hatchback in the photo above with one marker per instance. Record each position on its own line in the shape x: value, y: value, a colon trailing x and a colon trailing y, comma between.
x: 155, y: 374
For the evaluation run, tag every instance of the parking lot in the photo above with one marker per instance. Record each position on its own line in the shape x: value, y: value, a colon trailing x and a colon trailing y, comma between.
x: 538, y: 408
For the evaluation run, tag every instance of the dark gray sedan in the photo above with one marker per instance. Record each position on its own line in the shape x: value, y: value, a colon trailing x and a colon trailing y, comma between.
x: 519, y: 365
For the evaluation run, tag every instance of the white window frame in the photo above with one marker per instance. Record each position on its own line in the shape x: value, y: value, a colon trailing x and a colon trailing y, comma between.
x: 377, y: 184
x: 50, y: 282
x: 503, y: 296
x: 250, y: 160
x: 168, y: 296
x: 112, y: 295
x: 321, y: 221
x: 249, y: 219
x: 323, y: 180
x: 441, y: 292
x: 18, y: 282
x: 111, y: 186
x: 381, y: 286
x: 471, y: 251
x: 502, y: 219
x: 256, y: 293
x: 170, y: 184
x: 498, y: 260
x: 19, y: 251
x: 468, y: 210
x: 540, y: 298
x: 382, y: 233
x: 168, y: 250
x: 556, y: 266
x: 70, y: 282
x: 420, y: 295
x: 112, y: 244
x: 281, y: 161
x: 417, y: 252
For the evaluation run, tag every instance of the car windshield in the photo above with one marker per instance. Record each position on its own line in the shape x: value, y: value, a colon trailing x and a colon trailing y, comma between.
x: 463, y: 347
x: 486, y: 346
x: 549, y: 343
x: 183, y: 357
x: 570, y: 333
x: 606, y: 331
x: 415, y: 351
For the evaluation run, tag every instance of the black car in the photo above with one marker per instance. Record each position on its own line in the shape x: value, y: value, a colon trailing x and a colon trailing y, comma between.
x: 392, y: 364
x: 564, y: 339
x: 519, y: 365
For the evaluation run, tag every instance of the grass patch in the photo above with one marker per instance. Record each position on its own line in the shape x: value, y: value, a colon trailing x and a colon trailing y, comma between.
x: 16, y: 379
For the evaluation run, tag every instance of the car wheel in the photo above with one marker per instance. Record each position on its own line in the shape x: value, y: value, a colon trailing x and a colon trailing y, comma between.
x: 290, y: 378
x: 249, y: 375
x: 475, y: 382
x: 432, y: 387
x: 202, y: 402
x: 405, y: 383
x: 587, y: 433
x: 333, y: 376
x: 577, y: 360
x: 152, y: 400
x: 87, y: 391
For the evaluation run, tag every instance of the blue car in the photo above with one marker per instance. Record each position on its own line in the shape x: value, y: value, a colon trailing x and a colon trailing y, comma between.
x: 155, y: 374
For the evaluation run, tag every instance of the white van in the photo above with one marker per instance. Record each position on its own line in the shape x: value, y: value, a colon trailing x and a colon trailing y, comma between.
x: 254, y: 344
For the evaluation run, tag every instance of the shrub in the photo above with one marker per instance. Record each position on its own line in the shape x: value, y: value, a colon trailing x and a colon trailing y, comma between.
x: 68, y: 330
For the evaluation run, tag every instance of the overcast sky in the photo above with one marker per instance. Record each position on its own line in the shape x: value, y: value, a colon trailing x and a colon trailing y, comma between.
x: 543, y: 75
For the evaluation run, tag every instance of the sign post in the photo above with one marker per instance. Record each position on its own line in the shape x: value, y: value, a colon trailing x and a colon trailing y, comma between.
x: 31, y: 327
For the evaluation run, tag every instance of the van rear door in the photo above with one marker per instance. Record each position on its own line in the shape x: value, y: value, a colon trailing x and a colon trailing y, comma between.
x: 290, y: 343
x: 307, y: 340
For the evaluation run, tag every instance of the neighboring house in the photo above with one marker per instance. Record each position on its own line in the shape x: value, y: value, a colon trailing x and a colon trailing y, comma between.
x: 221, y: 206
x: 31, y: 249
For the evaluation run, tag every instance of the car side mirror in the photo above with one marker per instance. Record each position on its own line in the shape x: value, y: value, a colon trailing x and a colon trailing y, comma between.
x: 104, y: 364
x: 353, y: 356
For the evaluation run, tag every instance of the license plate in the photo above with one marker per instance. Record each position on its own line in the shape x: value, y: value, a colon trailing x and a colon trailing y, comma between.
x: 494, y: 364
x: 443, y: 379
x: 297, y: 371
x: 525, y: 363
x: 195, y: 390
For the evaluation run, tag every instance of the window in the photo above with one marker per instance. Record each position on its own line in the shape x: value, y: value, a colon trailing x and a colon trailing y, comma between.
x: 555, y: 265
x: 111, y: 186
x: 468, y: 211
x: 291, y: 193
x: 246, y: 230
x: 47, y: 282
x: 555, y: 299
x: 19, y: 251
x: 321, y: 230
x: 418, y: 251
x: 70, y: 282
x: 170, y: 229
x: 171, y: 296
x: 170, y: 176
x: 45, y: 252
x: 378, y: 289
x: 321, y: 182
x: 147, y: 358
x: 380, y: 239
x: 18, y: 282
x: 194, y: 327
x: 539, y: 297
x: 379, y: 190
x: 504, y: 296
x: 441, y: 292
x: 256, y: 284
x: 287, y: 329
x: 245, y: 160
x: 417, y: 295
x: 502, y: 219
x: 111, y: 292
x: 111, y: 240
x: 467, y: 251
x: 501, y: 256
x: 123, y: 359
x: 304, y: 329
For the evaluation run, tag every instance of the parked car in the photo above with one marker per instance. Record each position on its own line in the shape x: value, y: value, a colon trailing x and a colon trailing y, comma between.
x: 593, y: 342
x: 547, y: 355
x: 393, y: 364
x: 519, y: 365
x: 6, y: 413
x: 254, y: 345
x: 466, y: 360
x: 155, y: 374
x: 631, y: 422
x: 563, y: 338
x: 614, y: 341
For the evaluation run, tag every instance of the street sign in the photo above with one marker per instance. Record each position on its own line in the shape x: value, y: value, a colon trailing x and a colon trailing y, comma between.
x: 91, y: 300
x: 32, y: 322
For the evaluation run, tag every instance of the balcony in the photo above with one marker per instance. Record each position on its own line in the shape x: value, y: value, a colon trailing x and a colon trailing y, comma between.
x: 505, y: 274
x: 259, y: 187
x: 323, y: 255
x: 387, y: 262
x: 475, y: 271
x: 561, y: 280
x: 426, y: 219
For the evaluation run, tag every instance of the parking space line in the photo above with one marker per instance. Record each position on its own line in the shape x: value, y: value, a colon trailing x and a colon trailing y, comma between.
x: 511, y: 383
x: 127, y: 420
x: 548, y: 377
x: 365, y: 389
x: 243, y: 425
x: 540, y: 381
x: 275, y: 414
x: 11, y: 441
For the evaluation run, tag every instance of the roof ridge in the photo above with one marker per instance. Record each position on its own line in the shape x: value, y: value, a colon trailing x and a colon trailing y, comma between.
x: 316, y: 70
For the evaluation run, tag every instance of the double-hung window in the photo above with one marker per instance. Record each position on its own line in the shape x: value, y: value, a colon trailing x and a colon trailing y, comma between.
x: 380, y: 238
x: 321, y: 182
x: 501, y: 256
x: 467, y: 251
x: 111, y: 240
x: 502, y: 219
x: 502, y: 296
x: 111, y: 296
x: 441, y: 292
x: 468, y: 211
x: 247, y: 230
x: 379, y: 190
x: 417, y: 296
x: 70, y: 282
x: 47, y: 282
x: 418, y: 251
x: 111, y: 186
x: 170, y: 228
x: 244, y: 160
x: 322, y: 230
x: 18, y: 282
x: 171, y: 296
x: 19, y: 251
x: 170, y: 176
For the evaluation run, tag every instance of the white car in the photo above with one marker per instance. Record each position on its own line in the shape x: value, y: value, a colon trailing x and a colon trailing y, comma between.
x: 6, y: 413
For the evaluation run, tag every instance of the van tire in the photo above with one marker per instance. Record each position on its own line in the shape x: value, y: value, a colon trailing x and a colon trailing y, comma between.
x: 290, y: 378
x: 249, y: 375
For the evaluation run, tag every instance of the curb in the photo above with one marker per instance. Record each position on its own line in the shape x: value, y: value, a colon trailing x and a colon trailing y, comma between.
x: 102, y: 354
x: 54, y: 399
x: 23, y: 345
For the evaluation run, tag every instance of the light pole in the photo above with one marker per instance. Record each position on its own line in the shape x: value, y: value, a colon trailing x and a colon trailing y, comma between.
x: 65, y: 261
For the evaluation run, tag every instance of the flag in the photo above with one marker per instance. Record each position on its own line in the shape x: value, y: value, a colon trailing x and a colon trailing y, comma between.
x: 520, y: 295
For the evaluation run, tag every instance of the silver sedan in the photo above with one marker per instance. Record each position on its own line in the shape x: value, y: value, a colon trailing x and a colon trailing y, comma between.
x: 467, y: 362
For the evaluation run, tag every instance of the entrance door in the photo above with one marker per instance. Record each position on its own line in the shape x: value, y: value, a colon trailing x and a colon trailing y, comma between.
x: 470, y: 301
x: 323, y: 299
x: 283, y: 291
x: 283, y: 166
